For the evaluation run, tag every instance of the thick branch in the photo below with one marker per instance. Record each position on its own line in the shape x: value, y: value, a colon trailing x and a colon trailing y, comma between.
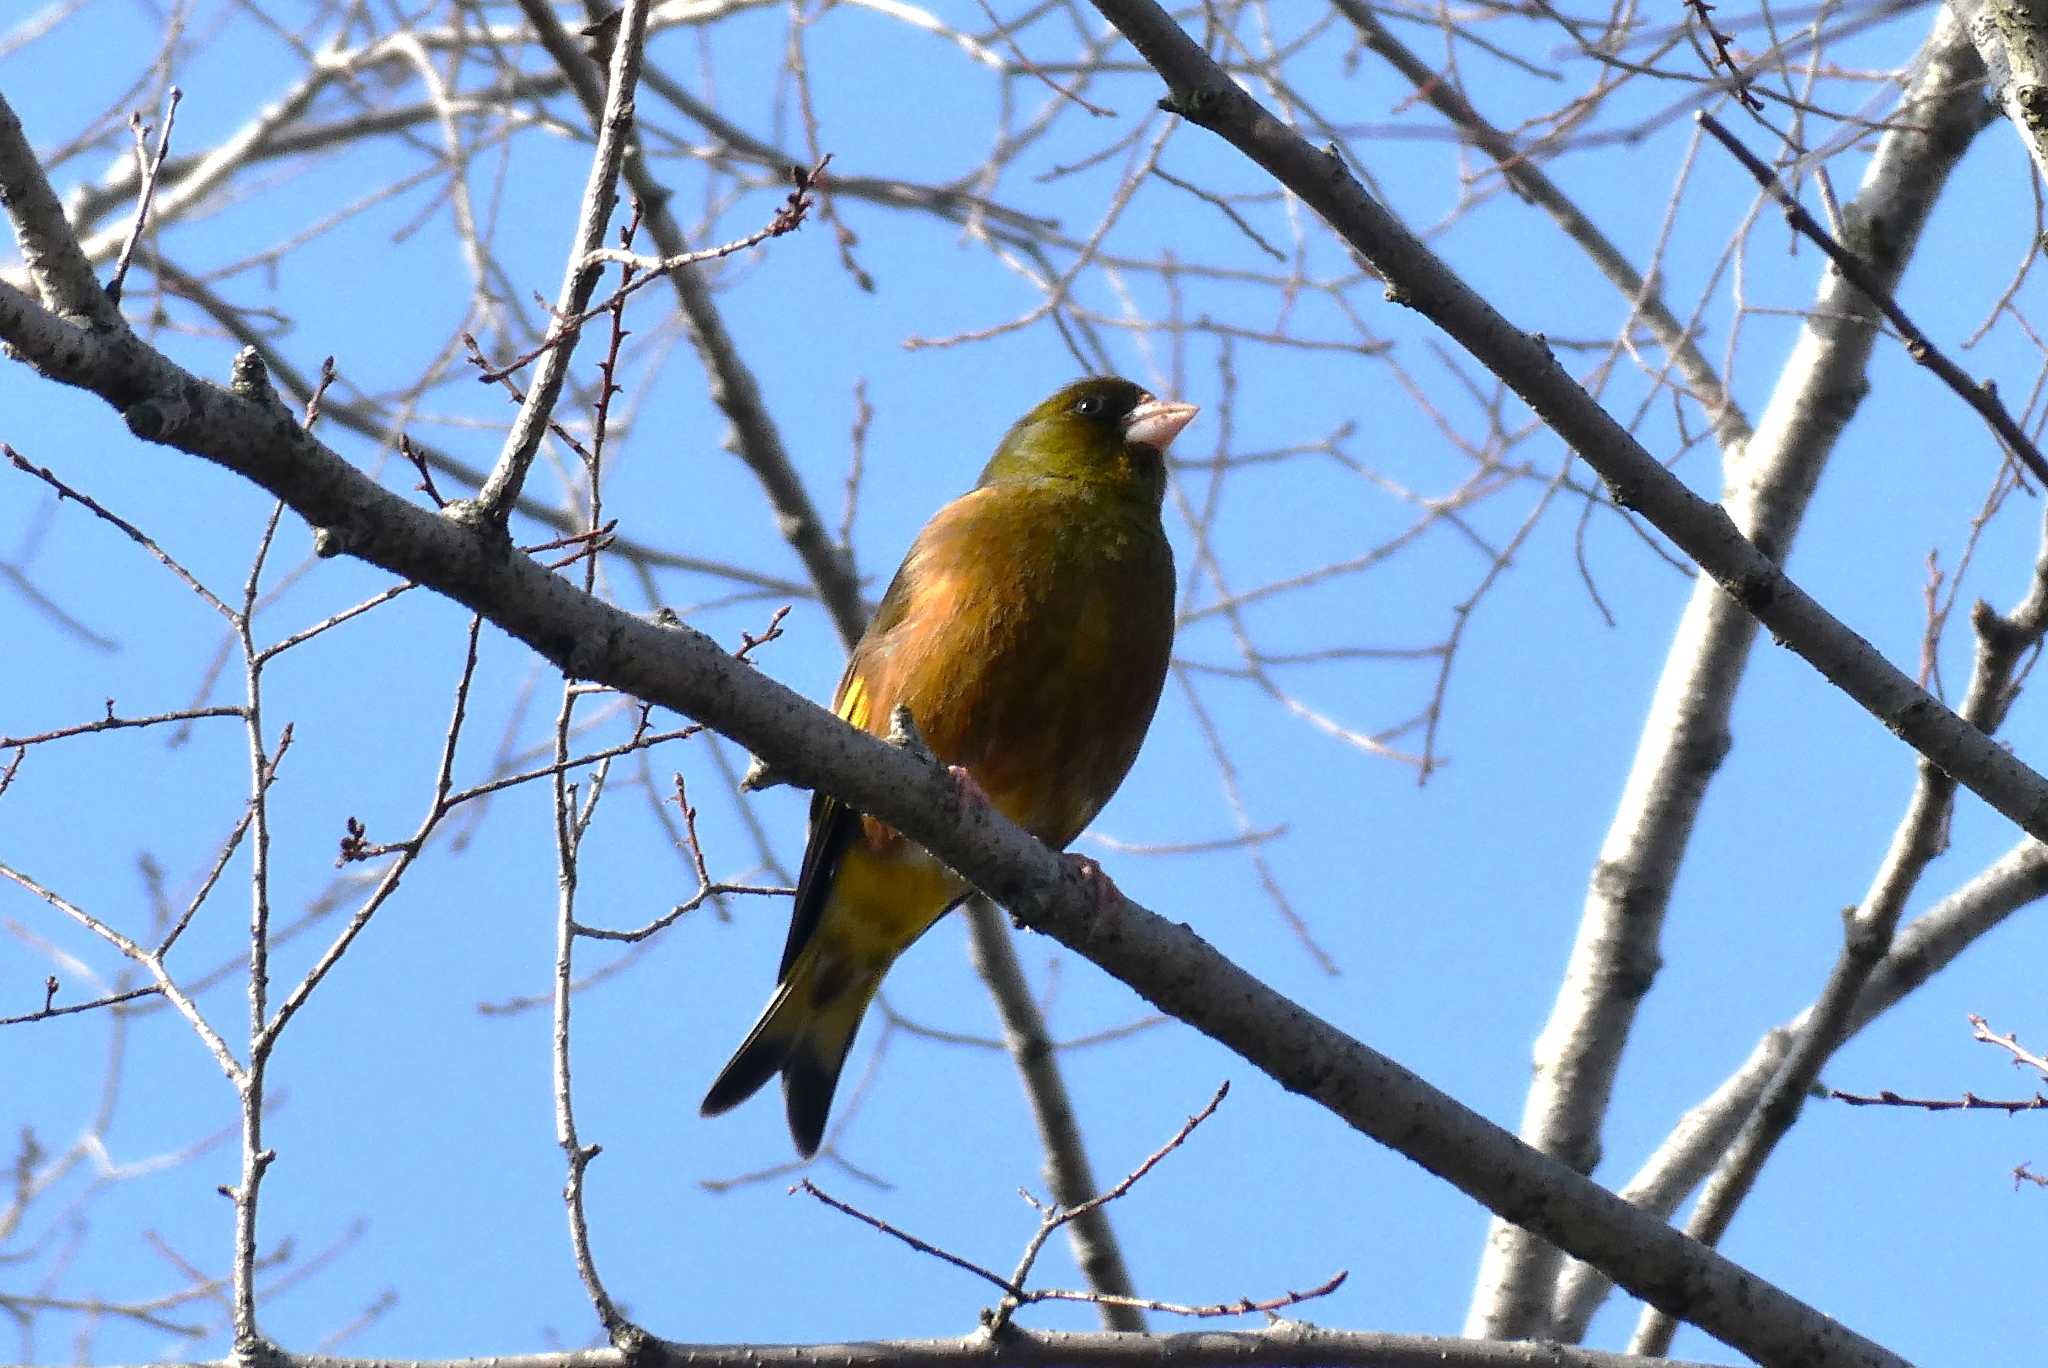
x: 685, y: 670
x: 682, y: 669
x: 1769, y: 483
x: 1518, y: 167
x: 246, y: 431
x: 2017, y: 879
x: 57, y: 268
x: 2012, y: 38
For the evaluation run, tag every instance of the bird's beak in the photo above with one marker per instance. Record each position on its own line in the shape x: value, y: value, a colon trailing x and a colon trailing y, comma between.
x: 1155, y: 423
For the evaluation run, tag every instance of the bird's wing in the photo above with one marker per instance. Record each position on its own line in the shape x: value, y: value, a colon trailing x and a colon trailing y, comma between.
x: 833, y: 823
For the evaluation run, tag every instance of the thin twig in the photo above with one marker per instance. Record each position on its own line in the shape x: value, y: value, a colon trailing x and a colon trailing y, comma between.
x: 112, y: 723
x: 1981, y: 397
x: 1967, y: 1102
x: 493, y: 503
x: 151, y: 169
x: 134, y: 533
x: 787, y: 219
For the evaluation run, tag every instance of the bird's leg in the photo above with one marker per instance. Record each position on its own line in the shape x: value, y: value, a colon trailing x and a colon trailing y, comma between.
x: 1100, y: 886
x: 967, y: 792
x: 968, y: 795
x: 1103, y: 893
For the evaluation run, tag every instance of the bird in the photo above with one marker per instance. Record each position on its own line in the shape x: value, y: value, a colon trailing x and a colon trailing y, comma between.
x: 1027, y: 633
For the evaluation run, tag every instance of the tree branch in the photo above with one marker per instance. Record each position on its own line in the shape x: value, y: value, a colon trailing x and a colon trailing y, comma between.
x: 2012, y: 38
x: 243, y: 429
x: 755, y: 439
x: 1288, y: 1344
x: 57, y: 269
x: 1768, y: 481
x: 1929, y: 944
x: 1518, y: 167
x: 493, y: 504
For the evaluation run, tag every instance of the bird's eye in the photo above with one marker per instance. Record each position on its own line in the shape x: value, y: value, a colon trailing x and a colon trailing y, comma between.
x: 1090, y: 405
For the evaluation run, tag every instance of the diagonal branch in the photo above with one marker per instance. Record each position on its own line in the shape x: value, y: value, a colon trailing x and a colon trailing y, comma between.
x: 244, y: 430
x: 1519, y: 169
x: 1981, y: 397
x: 680, y: 668
x: 2017, y: 879
x: 1769, y: 483
x: 493, y: 504
x: 754, y: 438
x: 58, y: 269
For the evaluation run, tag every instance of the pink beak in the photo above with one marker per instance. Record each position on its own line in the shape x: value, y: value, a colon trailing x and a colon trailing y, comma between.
x: 1156, y: 422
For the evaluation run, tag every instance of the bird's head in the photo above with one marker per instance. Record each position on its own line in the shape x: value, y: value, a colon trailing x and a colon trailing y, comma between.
x: 1102, y: 430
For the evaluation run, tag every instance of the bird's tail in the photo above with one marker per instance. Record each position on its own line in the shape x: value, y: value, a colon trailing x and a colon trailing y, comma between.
x: 805, y: 1033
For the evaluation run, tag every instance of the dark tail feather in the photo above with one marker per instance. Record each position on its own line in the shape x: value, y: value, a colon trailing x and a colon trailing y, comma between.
x: 815, y: 1058
x: 759, y: 1057
x: 805, y: 1040
x: 810, y: 1075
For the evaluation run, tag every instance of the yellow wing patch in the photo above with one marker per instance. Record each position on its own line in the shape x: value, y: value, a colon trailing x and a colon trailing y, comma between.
x: 854, y: 703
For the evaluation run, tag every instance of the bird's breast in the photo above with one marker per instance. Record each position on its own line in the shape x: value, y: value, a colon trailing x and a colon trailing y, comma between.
x: 1033, y: 653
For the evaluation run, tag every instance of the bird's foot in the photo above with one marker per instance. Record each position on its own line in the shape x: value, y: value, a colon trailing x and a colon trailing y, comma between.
x: 1101, y: 888
x: 970, y: 796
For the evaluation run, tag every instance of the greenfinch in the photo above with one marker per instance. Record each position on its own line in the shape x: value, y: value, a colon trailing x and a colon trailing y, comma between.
x: 1027, y: 632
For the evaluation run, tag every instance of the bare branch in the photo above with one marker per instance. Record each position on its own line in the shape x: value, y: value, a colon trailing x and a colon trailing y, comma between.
x: 151, y: 168
x: 1982, y: 397
x: 1280, y: 1345
x: 1770, y: 482
x: 1067, y: 1171
x: 493, y: 504
x: 681, y: 668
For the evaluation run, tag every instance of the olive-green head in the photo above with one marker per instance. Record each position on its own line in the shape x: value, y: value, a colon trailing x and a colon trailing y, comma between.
x: 1102, y: 430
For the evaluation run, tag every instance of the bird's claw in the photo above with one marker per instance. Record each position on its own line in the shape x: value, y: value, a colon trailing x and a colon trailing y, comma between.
x: 1101, y: 888
x: 970, y: 796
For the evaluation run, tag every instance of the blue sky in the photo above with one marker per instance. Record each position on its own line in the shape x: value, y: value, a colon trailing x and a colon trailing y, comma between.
x: 405, y: 1113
